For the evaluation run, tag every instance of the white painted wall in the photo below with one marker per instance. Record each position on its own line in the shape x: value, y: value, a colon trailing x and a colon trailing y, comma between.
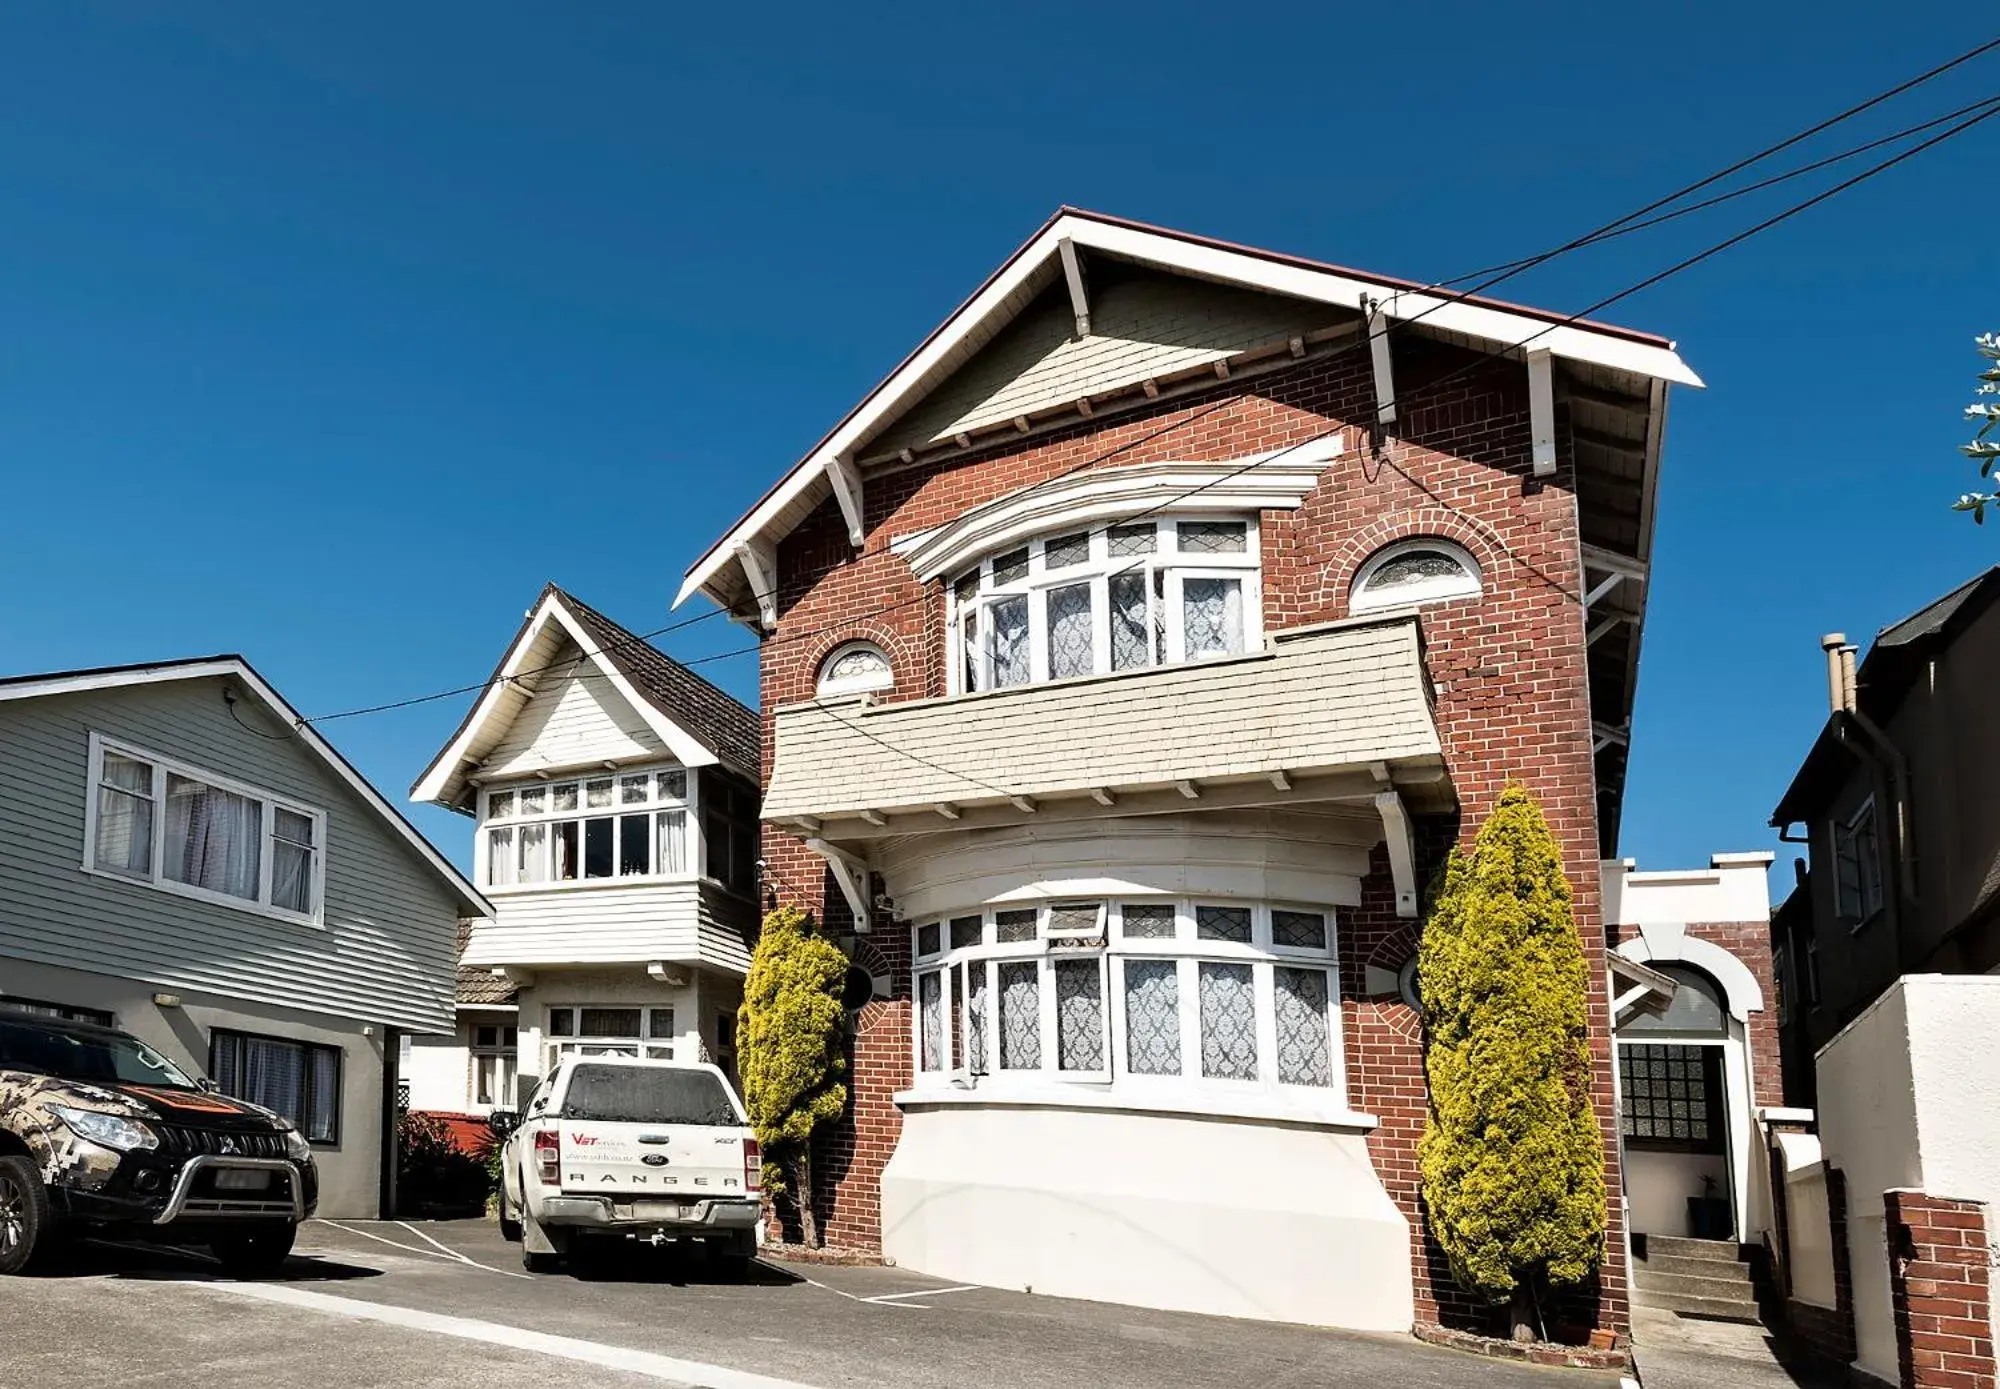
x: 1190, y: 1213
x: 438, y: 1071
x: 1657, y: 1187
x: 1734, y: 887
x: 1808, y: 1227
x: 1910, y: 1097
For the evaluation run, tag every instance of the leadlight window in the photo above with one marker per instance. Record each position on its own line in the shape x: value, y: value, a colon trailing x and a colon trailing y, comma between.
x: 1414, y: 571
x: 855, y: 667
x: 632, y: 825
x: 1114, y: 598
x: 1186, y: 994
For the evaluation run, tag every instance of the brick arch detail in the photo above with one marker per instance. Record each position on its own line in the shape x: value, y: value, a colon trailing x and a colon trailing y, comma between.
x: 907, y: 662
x: 1414, y: 523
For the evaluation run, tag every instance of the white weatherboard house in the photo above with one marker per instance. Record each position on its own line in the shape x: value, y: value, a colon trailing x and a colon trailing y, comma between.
x: 616, y: 802
x: 182, y: 857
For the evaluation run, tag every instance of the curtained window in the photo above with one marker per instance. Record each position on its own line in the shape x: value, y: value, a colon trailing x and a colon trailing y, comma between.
x: 299, y: 1080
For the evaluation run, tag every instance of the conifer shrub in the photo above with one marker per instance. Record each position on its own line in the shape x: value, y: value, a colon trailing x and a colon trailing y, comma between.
x: 790, y: 1053
x: 1512, y: 1158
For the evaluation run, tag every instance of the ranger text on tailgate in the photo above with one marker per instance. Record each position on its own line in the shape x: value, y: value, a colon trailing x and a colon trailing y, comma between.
x: 616, y: 1148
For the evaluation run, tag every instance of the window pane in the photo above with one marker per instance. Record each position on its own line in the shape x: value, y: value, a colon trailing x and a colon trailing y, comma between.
x: 928, y: 939
x: 1020, y: 1016
x: 672, y: 827
x: 635, y: 850
x: 660, y: 1023
x: 968, y: 649
x: 1128, y: 621
x: 1014, y: 926
x: 966, y: 931
x: 1153, y: 1017
x: 564, y: 798
x: 273, y: 1074
x: 128, y: 773
x: 635, y: 790
x: 1228, y: 1022
x: 1009, y: 619
x: 966, y: 586
x: 534, y: 799
x: 597, y: 848
x: 562, y: 1022
x: 1222, y: 923
x: 124, y: 830
x: 1130, y: 540
x: 293, y: 827
x: 1065, y: 550
x: 499, y: 805
x: 1079, y: 1015
x: 597, y: 794
x: 1298, y: 930
x: 215, y: 838
x: 673, y: 785
x: 1417, y: 567
x: 1213, y: 538
x: 1071, y: 631
x: 325, y: 1124
x: 609, y: 1022
x: 533, y: 845
x: 1073, y: 918
x: 1305, y: 1051
x: 930, y: 1000
x: 1153, y: 921
x: 291, y: 877
x: 1011, y: 566
x: 1212, y: 616
x: 973, y: 979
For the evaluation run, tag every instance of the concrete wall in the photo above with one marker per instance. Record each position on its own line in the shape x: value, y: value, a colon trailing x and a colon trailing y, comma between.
x: 1657, y: 1187
x: 350, y: 1168
x: 1910, y: 1098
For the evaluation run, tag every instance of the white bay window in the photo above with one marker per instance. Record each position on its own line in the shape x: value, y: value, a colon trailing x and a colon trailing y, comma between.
x: 1153, y: 997
x: 633, y: 824
x: 1098, y: 600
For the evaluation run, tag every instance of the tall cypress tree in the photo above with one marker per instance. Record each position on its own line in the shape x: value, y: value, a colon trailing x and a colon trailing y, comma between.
x: 788, y: 1037
x: 1512, y: 1158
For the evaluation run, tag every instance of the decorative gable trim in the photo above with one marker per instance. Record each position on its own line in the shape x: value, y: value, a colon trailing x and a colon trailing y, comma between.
x: 1278, y: 480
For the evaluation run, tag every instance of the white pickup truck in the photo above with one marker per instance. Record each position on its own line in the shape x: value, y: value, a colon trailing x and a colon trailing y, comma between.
x: 615, y: 1148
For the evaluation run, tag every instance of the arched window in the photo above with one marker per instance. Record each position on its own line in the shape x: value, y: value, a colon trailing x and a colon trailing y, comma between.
x: 854, y: 667
x: 1414, y: 571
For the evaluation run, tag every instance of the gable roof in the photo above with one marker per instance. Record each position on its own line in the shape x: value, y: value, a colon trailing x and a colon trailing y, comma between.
x: 1041, y: 262
x: 699, y: 723
x: 233, y: 666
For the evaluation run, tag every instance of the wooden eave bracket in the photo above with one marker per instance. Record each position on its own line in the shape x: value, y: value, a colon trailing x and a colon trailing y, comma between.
x: 1603, y: 735
x: 1542, y: 410
x: 760, y: 571
x: 845, y: 480
x: 1402, y: 850
x: 851, y: 874
x: 1378, y: 351
x: 1079, y: 298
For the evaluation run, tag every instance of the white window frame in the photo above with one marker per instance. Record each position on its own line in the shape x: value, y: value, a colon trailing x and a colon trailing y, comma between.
x: 506, y: 1055
x: 1166, y: 559
x: 958, y: 1069
x: 656, y: 804
x: 826, y: 685
x: 648, y: 1044
x: 156, y: 877
x: 1470, y: 584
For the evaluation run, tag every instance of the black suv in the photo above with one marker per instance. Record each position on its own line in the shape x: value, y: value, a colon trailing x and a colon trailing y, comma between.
x: 99, y: 1132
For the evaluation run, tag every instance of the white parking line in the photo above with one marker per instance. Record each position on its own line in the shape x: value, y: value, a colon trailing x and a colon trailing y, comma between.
x: 689, y: 1374
x: 924, y: 1292
x: 451, y: 1255
x: 829, y: 1288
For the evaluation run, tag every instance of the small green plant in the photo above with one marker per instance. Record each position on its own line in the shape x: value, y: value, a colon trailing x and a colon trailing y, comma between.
x: 789, y: 1035
x: 433, y: 1174
x: 1512, y: 1158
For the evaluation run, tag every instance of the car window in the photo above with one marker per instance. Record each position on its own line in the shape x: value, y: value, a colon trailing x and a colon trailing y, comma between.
x: 647, y: 1095
x: 98, y: 1056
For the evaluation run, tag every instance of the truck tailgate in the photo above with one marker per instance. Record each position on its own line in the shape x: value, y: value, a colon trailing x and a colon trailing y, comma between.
x: 677, y: 1160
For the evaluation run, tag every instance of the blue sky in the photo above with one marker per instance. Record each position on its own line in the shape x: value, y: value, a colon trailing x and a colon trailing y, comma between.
x: 329, y: 334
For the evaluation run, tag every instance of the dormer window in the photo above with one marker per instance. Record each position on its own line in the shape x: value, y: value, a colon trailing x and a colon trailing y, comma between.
x: 855, y: 667
x: 1414, y: 571
x: 1097, y: 600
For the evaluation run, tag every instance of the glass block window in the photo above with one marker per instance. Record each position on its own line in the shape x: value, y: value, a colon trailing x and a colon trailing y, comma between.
x: 1153, y: 1017
x: 1020, y: 1016
x: 1298, y: 930
x: 1013, y: 927
x: 1672, y: 1097
x: 1072, y: 631
x: 930, y: 1004
x: 928, y: 939
x: 1228, y: 1022
x: 1079, y: 1015
x: 1152, y: 921
x: 1213, y: 537
x: 966, y: 931
x: 1305, y: 1050
x: 1414, y: 571
x: 1222, y: 923
x: 1063, y: 551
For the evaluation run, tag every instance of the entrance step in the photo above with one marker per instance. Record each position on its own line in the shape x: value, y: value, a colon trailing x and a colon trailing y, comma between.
x: 1725, y: 1289
x: 1677, y: 1247
x: 1714, y: 1308
x: 1699, y: 1268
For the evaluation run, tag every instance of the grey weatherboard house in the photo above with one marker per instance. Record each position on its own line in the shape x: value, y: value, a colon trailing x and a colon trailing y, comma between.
x: 183, y: 857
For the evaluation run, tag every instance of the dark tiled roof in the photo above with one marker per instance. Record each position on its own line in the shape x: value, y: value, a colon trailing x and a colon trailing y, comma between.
x: 480, y: 986
x: 725, y: 724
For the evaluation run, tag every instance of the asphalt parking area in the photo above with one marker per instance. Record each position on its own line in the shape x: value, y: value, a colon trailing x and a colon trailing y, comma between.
x: 370, y: 1303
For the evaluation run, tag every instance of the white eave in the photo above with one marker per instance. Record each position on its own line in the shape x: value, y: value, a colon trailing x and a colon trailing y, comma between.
x: 1041, y: 262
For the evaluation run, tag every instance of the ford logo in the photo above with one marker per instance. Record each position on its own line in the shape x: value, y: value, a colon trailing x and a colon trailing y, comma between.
x: 654, y: 1159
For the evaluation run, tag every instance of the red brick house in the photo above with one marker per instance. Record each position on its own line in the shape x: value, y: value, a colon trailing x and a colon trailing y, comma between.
x: 1132, y: 653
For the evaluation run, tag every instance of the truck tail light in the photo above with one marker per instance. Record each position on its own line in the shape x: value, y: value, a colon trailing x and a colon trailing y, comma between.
x: 753, y: 1166
x: 548, y: 1157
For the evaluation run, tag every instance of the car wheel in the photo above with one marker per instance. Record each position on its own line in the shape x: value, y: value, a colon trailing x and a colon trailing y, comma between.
x: 255, y: 1251
x: 25, y: 1218
x: 510, y: 1228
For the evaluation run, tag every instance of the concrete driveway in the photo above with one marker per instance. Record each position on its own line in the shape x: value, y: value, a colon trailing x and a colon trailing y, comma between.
x: 400, y: 1306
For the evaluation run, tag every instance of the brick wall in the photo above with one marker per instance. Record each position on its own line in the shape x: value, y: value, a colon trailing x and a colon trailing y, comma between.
x: 1749, y: 942
x: 1940, y: 1276
x: 1508, y: 668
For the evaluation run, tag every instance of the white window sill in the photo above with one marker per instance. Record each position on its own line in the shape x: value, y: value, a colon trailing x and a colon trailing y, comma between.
x: 198, y: 894
x: 592, y: 884
x: 1318, y: 1110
